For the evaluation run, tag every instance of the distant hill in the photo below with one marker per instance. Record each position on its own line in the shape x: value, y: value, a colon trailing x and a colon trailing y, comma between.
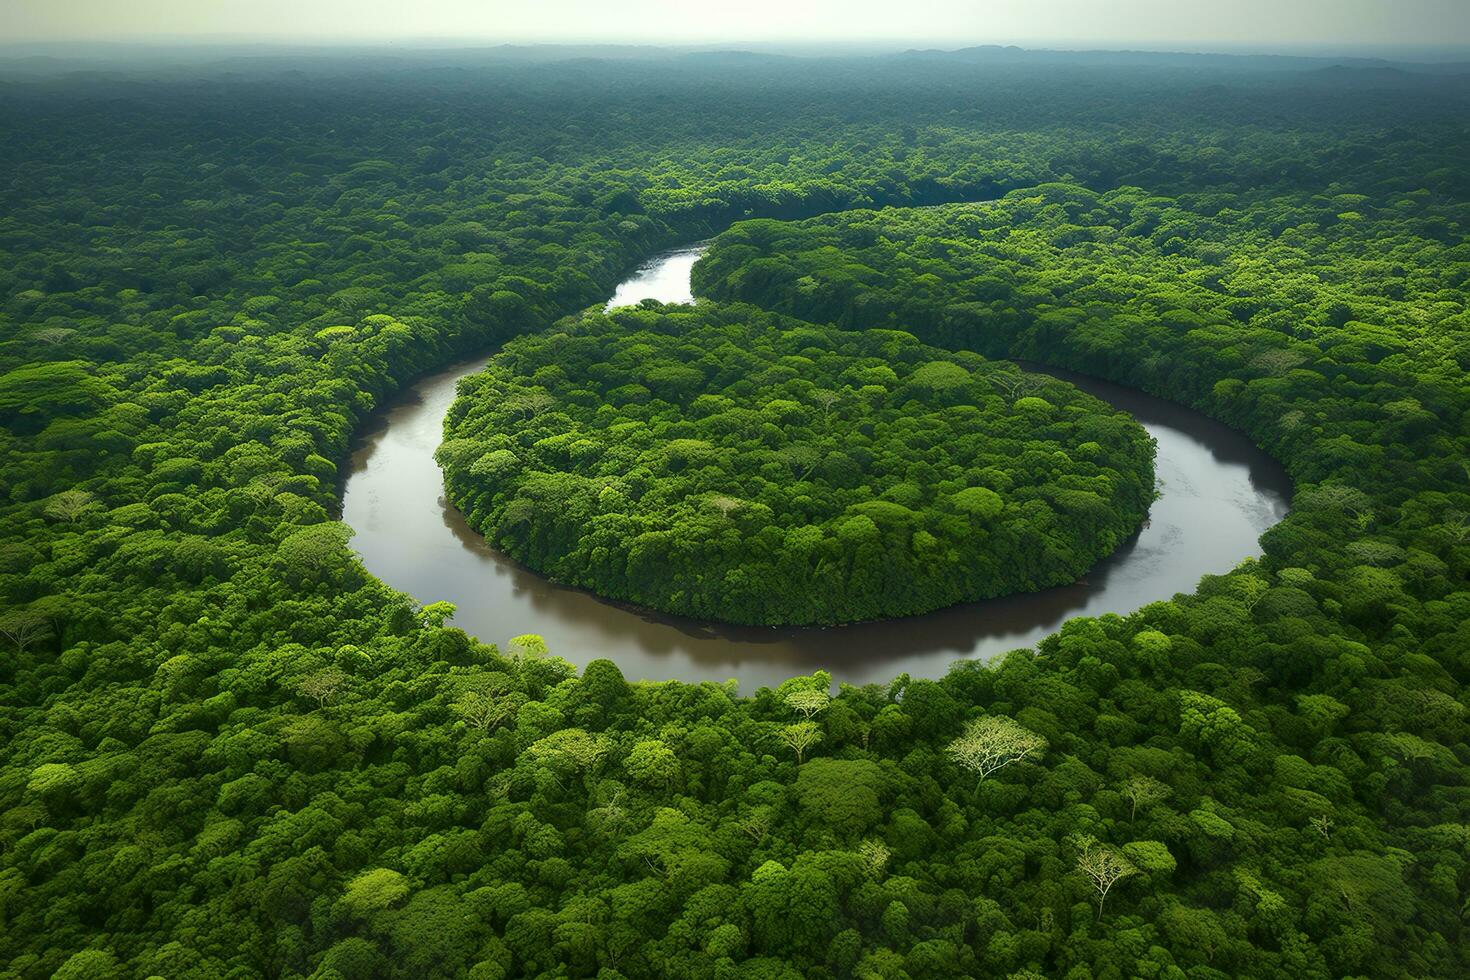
x: 1011, y: 54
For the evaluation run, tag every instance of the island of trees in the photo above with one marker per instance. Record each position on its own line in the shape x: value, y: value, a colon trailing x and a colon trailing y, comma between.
x: 724, y: 463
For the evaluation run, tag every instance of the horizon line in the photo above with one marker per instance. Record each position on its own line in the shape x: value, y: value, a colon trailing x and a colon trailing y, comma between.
x: 873, y: 45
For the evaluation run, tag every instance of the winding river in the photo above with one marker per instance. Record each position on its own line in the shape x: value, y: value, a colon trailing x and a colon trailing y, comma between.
x: 1219, y: 492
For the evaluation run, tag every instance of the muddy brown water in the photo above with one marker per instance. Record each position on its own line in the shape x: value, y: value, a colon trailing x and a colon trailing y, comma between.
x: 1219, y: 492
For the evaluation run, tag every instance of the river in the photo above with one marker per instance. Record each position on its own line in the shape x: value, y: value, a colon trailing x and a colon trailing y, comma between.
x: 1219, y: 492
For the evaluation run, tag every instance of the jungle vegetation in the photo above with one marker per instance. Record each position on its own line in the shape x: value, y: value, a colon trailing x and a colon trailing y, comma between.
x: 229, y: 752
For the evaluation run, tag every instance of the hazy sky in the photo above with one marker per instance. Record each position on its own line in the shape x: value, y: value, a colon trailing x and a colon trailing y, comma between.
x: 1272, y: 24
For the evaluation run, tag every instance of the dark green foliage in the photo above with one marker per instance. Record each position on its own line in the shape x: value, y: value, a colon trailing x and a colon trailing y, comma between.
x: 228, y: 752
x: 722, y: 463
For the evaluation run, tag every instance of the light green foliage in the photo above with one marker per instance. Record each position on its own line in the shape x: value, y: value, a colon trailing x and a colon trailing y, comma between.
x: 808, y: 702
x: 800, y: 737
x: 652, y: 763
x: 375, y: 890
x: 982, y: 502
x: 1143, y: 792
x: 436, y: 613
x: 991, y: 743
x: 528, y: 646
x: 1150, y: 857
x: 1103, y: 867
x: 51, y: 778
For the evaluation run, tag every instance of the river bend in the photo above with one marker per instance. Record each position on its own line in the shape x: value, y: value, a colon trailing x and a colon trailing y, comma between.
x: 1219, y: 493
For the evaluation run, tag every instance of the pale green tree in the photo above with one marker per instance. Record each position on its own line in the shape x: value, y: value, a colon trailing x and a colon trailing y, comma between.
x: 1143, y: 791
x: 1102, y: 866
x: 991, y: 743
x: 800, y: 737
x: 808, y: 702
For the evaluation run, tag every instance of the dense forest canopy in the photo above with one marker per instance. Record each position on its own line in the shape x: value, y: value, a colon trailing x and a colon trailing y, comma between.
x: 726, y: 464
x: 228, y: 751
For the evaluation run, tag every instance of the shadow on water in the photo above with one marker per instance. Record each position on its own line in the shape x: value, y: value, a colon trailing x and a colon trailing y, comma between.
x: 1219, y: 492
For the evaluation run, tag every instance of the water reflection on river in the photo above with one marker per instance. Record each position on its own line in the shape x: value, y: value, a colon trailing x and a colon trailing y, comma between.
x: 1219, y: 493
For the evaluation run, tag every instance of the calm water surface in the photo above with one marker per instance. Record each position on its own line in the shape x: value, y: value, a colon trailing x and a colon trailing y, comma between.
x: 1219, y: 493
